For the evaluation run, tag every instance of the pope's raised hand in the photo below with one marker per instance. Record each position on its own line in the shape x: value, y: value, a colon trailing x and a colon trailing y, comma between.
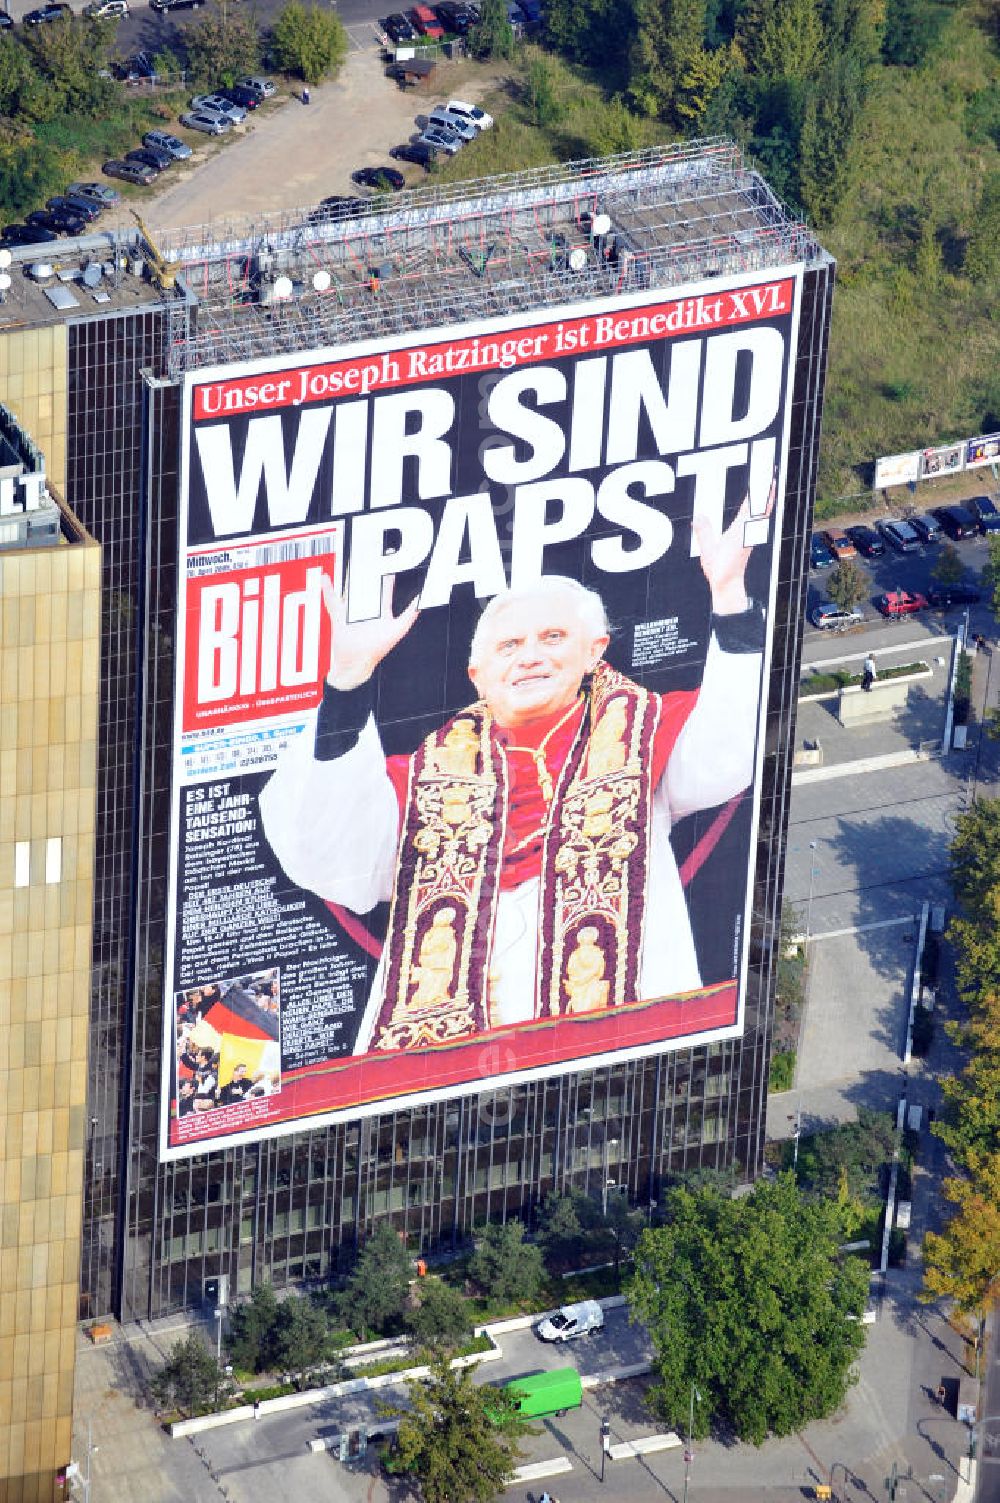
x: 724, y: 557
x: 357, y: 647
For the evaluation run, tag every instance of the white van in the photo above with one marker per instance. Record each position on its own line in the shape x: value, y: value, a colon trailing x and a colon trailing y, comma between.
x: 571, y: 1321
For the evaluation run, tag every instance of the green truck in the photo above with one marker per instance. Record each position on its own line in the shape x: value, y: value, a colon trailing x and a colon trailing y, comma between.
x: 545, y: 1393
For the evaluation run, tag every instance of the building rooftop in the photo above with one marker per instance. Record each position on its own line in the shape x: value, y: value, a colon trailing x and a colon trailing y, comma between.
x: 94, y: 274
x: 357, y: 269
x: 31, y: 516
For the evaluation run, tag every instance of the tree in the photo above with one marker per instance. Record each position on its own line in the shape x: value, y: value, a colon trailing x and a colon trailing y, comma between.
x: 300, y: 1335
x: 559, y: 1232
x: 948, y: 566
x: 460, y: 1441
x: 541, y: 94
x: 222, y: 45
x: 826, y: 141
x: 493, y: 35
x: 975, y: 858
x: 982, y: 251
x: 623, y: 1227
x: 991, y: 573
x: 442, y: 1317
x: 251, y: 1330
x: 189, y: 1378
x: 848, y: 584
x: 379, y: 1283
x: 751, y: 1302
x: 505, y: 1266
x: 790, y: 42
x: 308, y: 41
x: 962, y: 1263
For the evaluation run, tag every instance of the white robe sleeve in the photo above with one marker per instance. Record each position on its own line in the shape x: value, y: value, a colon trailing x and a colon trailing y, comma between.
x: 713, y: 756
x: 334, y: 825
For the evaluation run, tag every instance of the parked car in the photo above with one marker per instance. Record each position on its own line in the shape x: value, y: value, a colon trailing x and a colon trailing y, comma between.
x: 163, y: 5
x: 53, y: 12
x: 866, y: 540
x: 106, y: 10
x: 839, y: 543
x: 98, y: 193
x: 832, y: 617
x: 986, y: 515
x: 454, y: 18
x: 471, y: 112
x: 441, y: 140
x: 900, y: 535
x: 378, y: 177
x: 897, y: 603
x: 218, y: 104
x: 209, y: 124
x: 820, y: 556
x: 415, y: 151
x: 162, y: 140
x: 956, y: 522
x: 81, y: 207
x: 150, y: 156
x: 439, y: 119
x: 131, y: 172
x: 262, y: 87
x: 927, y: 526
x: 943, y: 596
x: 245, y: 98
x: 137, y: 69
x: 426, y: 22
x: 6, y: 21
x: 398, y: 29
x: 570, y: 1321
x: 26, y: 234
x: 328, y: 210
x: 60, y: 223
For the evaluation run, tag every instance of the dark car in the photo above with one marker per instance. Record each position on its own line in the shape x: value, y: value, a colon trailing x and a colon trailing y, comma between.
x: 6, y: 21
x: 866, y: 540
x: 164, y: 5
x: 26, y: 234
x: 820, y: 556
x: 928, y: 528
x: 378, y: 177
x: 415, y: 151
x: 150, y: 156
x: 898, y: 603
x: 398, y: 29
x: 943, y: 596
x: 329, y: 210
x: 956, y: 522
x: 83, y: 208
x: 131, y: 172
x: 246, y: 98
x: 986, y: 515
x: 137, y: 69
x: 454, y: 17
x: 53, y: 12
x: 61, y: 224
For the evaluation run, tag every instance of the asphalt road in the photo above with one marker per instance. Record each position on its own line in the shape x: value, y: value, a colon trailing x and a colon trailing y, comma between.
x: 988, y: 1489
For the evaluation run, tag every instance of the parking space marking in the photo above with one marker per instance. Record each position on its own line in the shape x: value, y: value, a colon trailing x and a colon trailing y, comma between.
x: 362, y: 35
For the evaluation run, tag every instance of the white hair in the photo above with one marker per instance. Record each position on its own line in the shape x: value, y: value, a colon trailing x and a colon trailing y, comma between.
x: 589, y: 607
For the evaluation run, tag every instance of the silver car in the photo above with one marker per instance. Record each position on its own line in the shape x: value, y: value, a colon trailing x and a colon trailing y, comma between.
x: 212, y: 125
x: 218, y: 104
x: 441, y: 140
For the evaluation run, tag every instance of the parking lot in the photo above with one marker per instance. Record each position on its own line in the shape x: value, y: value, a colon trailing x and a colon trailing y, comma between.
x: 908, y: 572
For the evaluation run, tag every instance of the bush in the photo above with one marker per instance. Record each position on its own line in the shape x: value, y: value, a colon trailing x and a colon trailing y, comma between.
x: 782, y: 1072
x: 308, y: 42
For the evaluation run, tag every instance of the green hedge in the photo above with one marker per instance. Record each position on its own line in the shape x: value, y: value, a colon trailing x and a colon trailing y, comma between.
x: 840, y: 678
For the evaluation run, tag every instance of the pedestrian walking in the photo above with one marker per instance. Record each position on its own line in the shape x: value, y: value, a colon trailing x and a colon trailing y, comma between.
x: 305, y: 95
x: 868, y: 673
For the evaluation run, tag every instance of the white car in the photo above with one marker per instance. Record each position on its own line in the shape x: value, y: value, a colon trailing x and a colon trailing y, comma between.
x: 471, y: 112
x: 571, y: 1321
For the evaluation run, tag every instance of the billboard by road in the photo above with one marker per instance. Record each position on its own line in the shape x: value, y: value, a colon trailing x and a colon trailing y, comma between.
x: 472, y: 629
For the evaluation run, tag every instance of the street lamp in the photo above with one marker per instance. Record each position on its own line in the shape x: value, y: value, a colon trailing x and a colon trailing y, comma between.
x: 605, y: 1443
x: 797, y: 1133
x: 689, y: 1448
x: 812, y: 883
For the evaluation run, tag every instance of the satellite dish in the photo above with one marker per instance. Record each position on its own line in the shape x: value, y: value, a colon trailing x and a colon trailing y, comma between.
x: 92, y: 274
x: 577, y: 258
x: 600, y: 224
x: 41, y: 270
x: 282, y: 287
x: 5, y: 258
x: 4, y: 280
x: 321, y: 281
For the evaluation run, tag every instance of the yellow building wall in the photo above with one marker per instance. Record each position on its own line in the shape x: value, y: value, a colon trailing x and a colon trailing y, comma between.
x: 33, y: 373
x: 49, y: 663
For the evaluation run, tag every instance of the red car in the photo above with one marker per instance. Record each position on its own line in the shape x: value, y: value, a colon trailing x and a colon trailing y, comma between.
x: 898, y: 603
x: 426, y: 22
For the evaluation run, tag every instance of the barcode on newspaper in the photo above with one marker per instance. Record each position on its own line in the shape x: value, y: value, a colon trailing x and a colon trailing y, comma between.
x: 281, y: 553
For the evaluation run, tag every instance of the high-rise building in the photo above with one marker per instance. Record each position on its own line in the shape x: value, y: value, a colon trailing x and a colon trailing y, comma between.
x: 50, y: 596
x: 599, y: 350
